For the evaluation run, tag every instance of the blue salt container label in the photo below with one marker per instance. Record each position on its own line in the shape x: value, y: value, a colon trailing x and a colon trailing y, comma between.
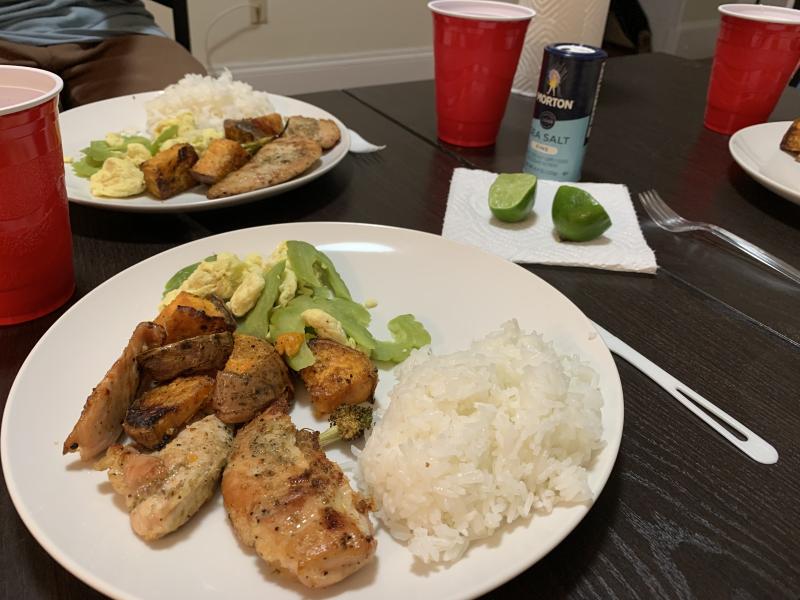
x: 562, y: 117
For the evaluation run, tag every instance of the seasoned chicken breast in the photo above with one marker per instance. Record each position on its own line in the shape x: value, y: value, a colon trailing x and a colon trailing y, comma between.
x: 293, y: 505
x: 323, y: 131
x: 339, y: 375
x: 274, y: 163
x: 165, y: 489
x: 100, y: 423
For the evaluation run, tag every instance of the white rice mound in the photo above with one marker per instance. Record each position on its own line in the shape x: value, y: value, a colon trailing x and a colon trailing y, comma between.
x: 209, y: 99
x: 479, y: 437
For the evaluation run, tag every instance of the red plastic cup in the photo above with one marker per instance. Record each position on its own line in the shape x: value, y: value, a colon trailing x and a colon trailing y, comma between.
x: 476, y: 47
x: 758, y: 51
x: 36, y: 274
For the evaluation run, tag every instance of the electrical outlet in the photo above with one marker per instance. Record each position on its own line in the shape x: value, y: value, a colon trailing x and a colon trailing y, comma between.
x: 258, y: 12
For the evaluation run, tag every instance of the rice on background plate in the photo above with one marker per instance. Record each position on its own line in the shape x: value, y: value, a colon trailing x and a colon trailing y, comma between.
x: 210, y: 99
x: 480, y: 437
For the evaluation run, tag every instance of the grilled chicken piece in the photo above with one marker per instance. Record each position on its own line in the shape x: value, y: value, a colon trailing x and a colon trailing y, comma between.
x: 323, y: 131
x: 221, y: 157
x: 159, y: 414
x: 274, y: 163
x: 255, y: 128
x: 165, y: 489
x: 168, y: 172
x: 100, y: 423
x: 293, y: 505
x: 339, y: 375
x: 255, y: 376
x: 187, y: 357
x: 791, y: 139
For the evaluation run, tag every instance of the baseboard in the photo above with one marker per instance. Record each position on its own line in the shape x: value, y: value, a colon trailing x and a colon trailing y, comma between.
x: 320, y: 73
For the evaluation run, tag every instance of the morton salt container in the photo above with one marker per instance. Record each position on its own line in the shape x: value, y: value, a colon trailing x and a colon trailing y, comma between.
x: 562, y: 118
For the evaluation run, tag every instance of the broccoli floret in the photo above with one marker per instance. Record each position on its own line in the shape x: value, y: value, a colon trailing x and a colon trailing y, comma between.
x: 348, y: 422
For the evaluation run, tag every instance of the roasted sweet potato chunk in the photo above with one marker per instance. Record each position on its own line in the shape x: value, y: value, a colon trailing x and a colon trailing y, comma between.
x: 339, y: 375
x: 248, y: 130
x: 169, y: 172
x: 187, y: 357
x: 158, y: 415
x: 255, y: 376
x: 188, y: 316
x: 221, y: 158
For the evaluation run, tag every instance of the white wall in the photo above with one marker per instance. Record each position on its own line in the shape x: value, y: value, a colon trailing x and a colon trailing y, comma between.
x: 162, y: 14
x: 313, y: 45
x: 310, y: 45
x: 689, y: 28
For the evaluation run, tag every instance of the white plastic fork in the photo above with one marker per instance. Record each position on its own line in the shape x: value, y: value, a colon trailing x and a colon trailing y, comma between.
x: 668, y: 219
x: 752, y: 445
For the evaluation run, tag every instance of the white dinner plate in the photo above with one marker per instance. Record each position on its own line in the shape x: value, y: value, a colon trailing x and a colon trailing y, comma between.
x: 757, y: 150
x: 127, y: 113
x: 460, y: 293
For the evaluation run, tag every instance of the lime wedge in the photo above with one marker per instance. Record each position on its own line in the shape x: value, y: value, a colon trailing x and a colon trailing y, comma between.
x: 578, y: 217
x: 511, y: 196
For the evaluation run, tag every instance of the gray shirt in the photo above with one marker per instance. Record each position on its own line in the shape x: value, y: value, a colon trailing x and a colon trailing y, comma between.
x: 46, y: 22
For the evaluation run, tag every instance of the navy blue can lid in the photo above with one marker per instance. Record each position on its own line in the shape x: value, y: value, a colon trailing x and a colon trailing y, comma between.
x: 576, y: 51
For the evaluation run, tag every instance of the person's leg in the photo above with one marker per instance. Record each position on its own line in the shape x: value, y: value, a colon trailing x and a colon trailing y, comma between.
x: 23, y: 55
x: 124, y: 65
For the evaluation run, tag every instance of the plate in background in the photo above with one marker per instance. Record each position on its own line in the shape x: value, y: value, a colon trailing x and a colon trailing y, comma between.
x: 127, y: 113
x: 757, y: 150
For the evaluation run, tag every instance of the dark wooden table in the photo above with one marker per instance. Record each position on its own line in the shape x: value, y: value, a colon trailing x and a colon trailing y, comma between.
x: 683, y: 514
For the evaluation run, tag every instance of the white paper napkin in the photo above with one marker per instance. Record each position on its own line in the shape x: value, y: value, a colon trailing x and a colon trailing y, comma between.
x: 621, y: 248
x: 358, y: 145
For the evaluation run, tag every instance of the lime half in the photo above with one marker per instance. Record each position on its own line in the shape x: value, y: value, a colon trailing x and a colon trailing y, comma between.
x: 511, y: 196
x: 578, y: 217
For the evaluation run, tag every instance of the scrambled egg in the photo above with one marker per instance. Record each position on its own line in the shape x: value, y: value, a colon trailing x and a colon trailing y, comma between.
x: 119, y: 178
x: 246, y: 295
x: 184, y: 120
x: 280, y: 253
x: 288, y: 287
x: 187, y: 132
x: 138, y: 153
x: 114, y: 139
x: 325, y: 325
x: 240, y: 282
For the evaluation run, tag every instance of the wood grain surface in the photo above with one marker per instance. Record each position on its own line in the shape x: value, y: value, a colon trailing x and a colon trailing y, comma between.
x: 648, y: 133
x: 684, y: 514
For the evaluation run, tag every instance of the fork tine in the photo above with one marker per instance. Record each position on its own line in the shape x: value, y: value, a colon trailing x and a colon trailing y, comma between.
x: 657, y: 210
x: 647, y: 202
x: 666, y: 210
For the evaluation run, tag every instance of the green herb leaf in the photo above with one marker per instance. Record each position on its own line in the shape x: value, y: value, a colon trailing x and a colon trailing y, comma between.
x: 169, y: 133
x: 99, y: 151
x: 138, y: 139
x: 85, y: 167
x: 408, y: 333
x: 256, y: 322
x: 174, y: 282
